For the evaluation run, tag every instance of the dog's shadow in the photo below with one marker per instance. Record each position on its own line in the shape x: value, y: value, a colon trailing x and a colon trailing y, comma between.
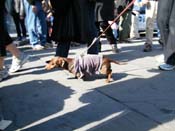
x: 115, y: 77
x: 118, y: 76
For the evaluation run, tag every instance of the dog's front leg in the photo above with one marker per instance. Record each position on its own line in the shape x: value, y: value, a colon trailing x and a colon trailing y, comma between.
x: 109, y: 77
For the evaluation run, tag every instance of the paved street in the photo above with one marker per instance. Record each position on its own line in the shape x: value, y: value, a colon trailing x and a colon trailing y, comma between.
x: 140, y: 98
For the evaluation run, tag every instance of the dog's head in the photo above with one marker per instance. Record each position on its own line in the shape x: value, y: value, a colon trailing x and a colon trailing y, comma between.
x: 56, y: 62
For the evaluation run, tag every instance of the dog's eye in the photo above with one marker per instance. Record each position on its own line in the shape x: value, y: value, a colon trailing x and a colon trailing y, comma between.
x: 48, y: 61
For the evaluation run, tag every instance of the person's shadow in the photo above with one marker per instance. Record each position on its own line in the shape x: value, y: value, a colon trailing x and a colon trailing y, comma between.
x: 122, y: 106
x: 32, y: 101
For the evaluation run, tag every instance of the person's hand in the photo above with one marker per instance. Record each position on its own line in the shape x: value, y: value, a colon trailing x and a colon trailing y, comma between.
x: 34, y: 9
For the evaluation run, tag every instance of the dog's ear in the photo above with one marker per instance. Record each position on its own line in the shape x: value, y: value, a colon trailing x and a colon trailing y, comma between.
x: 48, y: 61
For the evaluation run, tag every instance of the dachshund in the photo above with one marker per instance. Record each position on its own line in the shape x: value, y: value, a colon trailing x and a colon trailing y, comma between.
x: 84, y: 66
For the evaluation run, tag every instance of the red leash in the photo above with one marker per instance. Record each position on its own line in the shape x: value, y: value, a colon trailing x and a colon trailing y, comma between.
x: 97, y: 38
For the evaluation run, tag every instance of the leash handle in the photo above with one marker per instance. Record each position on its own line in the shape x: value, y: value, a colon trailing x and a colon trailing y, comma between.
x: 97, y: 38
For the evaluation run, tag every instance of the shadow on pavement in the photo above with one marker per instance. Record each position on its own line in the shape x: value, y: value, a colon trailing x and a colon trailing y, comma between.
x: 28, y: 102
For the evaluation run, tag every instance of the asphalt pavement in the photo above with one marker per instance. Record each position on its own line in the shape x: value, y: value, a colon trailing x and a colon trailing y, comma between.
x: 140, y: 97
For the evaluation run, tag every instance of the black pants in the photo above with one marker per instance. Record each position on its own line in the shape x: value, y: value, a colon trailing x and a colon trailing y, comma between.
x: 20, y: 25
x: 5, y: 39
x: 62, y: 49
x: 109, y: 34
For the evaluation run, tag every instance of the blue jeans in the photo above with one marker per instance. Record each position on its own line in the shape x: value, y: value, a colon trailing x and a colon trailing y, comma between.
x: 36, y: 24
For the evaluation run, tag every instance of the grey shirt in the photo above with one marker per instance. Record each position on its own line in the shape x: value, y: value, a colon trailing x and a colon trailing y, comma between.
x: 88, y: 64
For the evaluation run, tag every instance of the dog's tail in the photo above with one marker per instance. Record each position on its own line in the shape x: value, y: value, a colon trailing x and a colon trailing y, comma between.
x: 117, y: 62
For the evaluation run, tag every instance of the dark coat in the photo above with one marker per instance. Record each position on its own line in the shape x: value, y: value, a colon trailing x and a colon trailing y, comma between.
x: 71, y: 20
x: 121, y: 4
x: 2, y: 20
x: 4, y: 37
x: 104, y: 10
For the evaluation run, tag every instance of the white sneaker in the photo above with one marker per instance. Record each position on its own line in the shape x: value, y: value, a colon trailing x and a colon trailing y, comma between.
x: 3, y: 74
x: 166, y: 67
x: 38, y: 47
x: 17, y: 63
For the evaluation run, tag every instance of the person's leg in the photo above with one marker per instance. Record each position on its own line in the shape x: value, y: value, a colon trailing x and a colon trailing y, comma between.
x: 19, y: 58
x: 62, y: 49
x: 124, y: 26
x: 41, y: 24
x: 17, y: 24
x: 93, y: 31
x: 23, y: 27
x: 97, y: 24
x: 134, y: 33
x: 151, y: 14
x: 110, y: 36
x: 31, y: 24
x: 13, y: 49
x: 169, y: 48
x: 164, y: 10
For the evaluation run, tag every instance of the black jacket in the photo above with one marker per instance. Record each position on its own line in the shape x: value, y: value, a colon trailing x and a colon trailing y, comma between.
x: 71, y: 20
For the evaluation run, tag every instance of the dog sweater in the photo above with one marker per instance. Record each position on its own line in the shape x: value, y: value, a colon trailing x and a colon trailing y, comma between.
x: 88, y: 64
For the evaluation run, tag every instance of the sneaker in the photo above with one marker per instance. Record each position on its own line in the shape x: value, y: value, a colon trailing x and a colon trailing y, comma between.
x: 147, y: 48
x: 166, y: 67
x: 3, y: 74
x: 38, y: 47
x: 114, y: 48
x: 17, y: 63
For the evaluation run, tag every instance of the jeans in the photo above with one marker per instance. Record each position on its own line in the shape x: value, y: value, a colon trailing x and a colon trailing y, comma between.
x: 36, y: 23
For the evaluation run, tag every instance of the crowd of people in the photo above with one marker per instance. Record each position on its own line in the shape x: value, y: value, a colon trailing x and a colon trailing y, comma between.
x: 82, y: 21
